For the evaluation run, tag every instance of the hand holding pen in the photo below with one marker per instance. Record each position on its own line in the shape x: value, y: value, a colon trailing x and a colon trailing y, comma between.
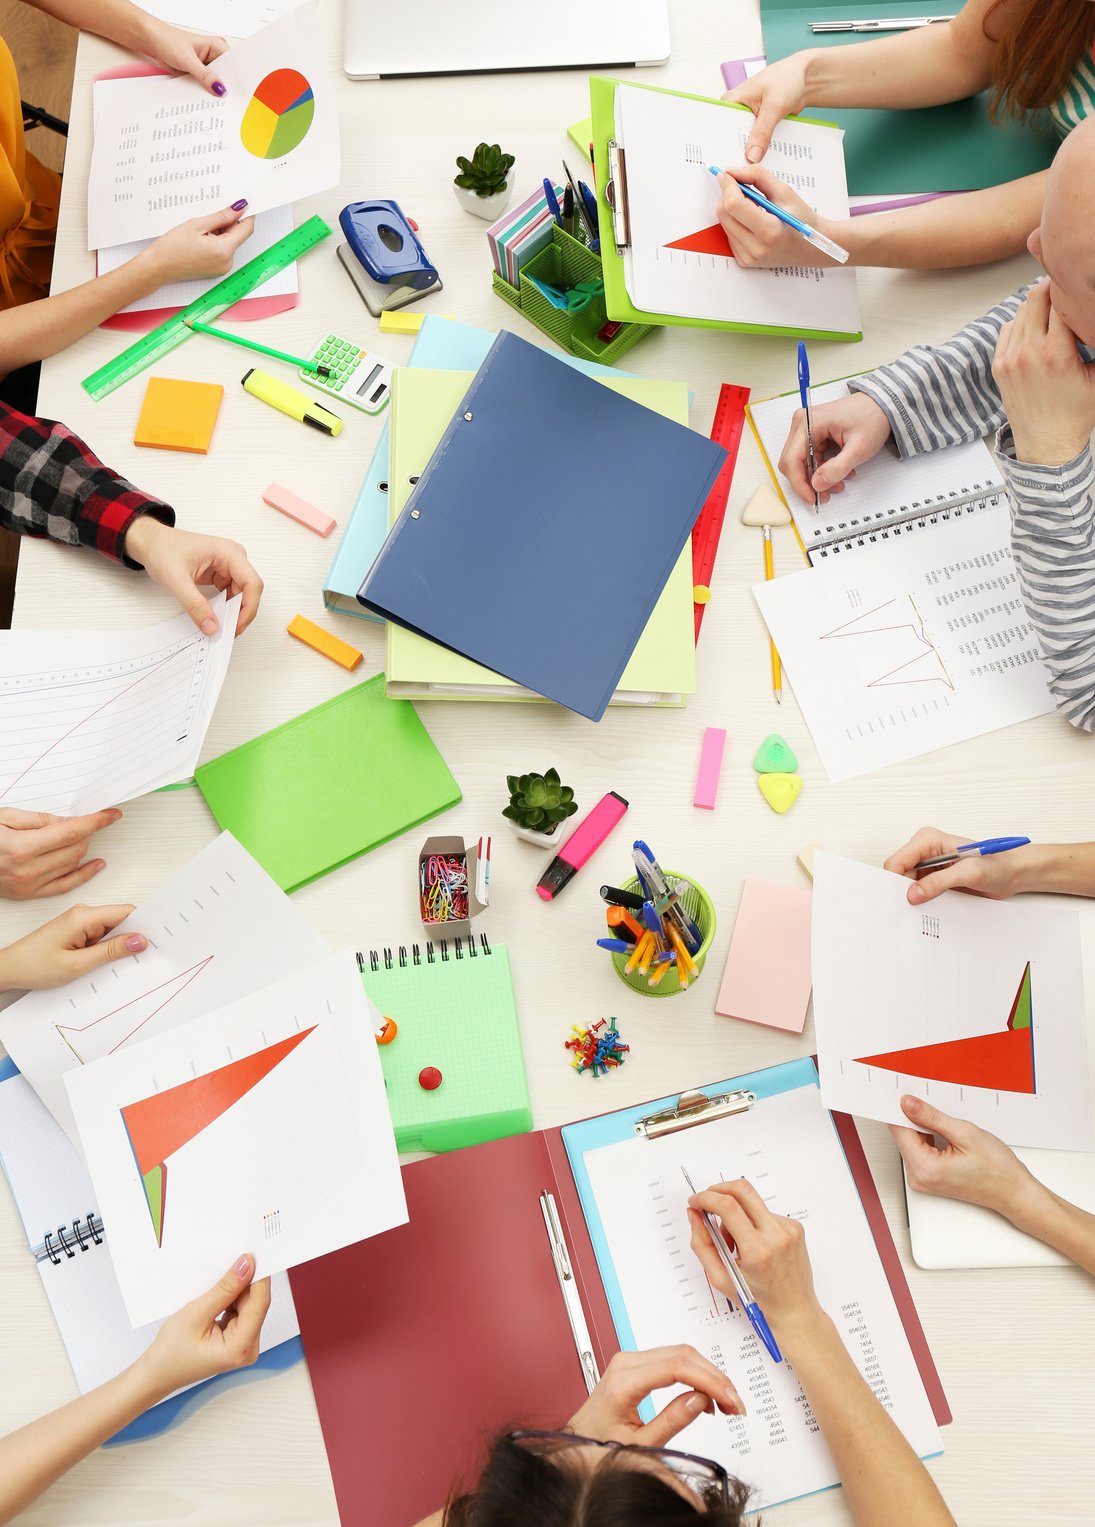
x: 993, y: 867
x: 728, y: 1202
x: 767, y: 224
x: 804, y: 398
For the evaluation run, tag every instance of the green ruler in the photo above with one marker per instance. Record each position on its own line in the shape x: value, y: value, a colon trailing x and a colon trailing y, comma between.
x: 241, y: 283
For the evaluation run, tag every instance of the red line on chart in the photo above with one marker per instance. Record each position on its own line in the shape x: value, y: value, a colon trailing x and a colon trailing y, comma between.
x: 82, y: 722
x: 64, y: 1029
x: 887, y: 680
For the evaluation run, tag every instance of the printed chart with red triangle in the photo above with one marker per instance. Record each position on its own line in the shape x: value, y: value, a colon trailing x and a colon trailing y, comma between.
x: 1001, y: 1062
x: 162, y: 1124
x: 711, y: 241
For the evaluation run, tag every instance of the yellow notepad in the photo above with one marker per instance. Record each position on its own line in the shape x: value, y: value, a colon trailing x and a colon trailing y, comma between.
x: 662, y: 668
x: 178, y: 416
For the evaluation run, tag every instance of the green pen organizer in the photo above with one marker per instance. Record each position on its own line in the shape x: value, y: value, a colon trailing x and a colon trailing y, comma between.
x: 563, y: 264
x: 701, y: 909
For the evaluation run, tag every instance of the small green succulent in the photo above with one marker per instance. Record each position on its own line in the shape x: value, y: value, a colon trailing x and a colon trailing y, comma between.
x: 485, y: 172
x: 539, y: 801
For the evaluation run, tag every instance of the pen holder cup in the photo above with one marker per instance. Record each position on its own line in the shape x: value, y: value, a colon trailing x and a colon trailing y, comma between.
x: 562, y: 264
x: 701, y: 910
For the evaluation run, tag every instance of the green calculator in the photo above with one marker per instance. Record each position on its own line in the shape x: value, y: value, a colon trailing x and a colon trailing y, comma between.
x: 357, y: 376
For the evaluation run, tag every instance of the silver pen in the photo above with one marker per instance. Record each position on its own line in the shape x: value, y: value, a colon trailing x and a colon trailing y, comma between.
x: 749, y: 1306
x: 565, y: 1273
x: 880, y: 24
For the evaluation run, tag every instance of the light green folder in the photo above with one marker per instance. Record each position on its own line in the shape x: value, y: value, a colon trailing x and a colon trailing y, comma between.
x: 602, y: 96
x: 662, y: 669
x: 940, y: 148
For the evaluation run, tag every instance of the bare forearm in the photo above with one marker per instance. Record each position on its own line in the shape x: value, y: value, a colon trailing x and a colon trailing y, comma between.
x: 885, y: 1482
x: 1055, y: 1222
x: 1067, y: 869
x: 35, y: 330
x: 926, y: 66
x: 32, y: 1458
x: 116, y: 20
x: 970, y: 229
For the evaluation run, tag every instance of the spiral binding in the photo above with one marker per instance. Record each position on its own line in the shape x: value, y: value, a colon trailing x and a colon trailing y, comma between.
x: 915, y: 516
x: 402, y: 960
x: 67, y: 1241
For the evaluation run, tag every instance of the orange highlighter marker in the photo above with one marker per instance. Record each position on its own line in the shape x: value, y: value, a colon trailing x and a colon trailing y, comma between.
x: 624, y: 925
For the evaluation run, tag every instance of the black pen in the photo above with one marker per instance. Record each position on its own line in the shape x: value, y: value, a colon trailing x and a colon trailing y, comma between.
x: 568, y: 211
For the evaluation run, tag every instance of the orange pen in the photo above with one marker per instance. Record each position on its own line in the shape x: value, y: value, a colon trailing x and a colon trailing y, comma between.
x: 623, y: 923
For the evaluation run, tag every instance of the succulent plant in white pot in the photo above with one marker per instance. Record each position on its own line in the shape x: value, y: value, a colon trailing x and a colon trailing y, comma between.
x: 485, y: 180
x: 538, y: 805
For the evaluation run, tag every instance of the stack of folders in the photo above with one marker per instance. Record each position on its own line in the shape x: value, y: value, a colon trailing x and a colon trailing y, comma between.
x: 539, y: 541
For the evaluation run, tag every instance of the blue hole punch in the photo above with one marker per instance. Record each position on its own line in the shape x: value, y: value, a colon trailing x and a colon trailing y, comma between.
x: 383, y: 256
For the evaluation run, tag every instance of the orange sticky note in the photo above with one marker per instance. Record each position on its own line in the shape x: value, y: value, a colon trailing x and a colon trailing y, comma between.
x: 178, y: 416
x: 331, y: 646
x: 767, y: 977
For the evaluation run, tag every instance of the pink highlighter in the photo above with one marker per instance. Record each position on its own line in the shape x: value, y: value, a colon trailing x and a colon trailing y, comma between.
x: 582, y: 844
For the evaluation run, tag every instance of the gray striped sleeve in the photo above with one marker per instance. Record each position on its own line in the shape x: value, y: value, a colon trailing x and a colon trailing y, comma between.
x: 939, y: 395
x: 1053, y: 543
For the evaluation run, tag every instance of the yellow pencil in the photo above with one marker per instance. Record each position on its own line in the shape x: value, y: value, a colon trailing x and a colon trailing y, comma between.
x: 769, y: 573
x: 637, y: 953
x: 686, y: 965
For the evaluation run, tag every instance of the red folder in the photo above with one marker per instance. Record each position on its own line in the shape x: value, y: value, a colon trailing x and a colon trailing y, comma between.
x: 426, y: 1341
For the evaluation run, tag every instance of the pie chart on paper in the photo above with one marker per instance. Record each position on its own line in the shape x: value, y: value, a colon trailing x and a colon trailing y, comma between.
x: 278, y: 115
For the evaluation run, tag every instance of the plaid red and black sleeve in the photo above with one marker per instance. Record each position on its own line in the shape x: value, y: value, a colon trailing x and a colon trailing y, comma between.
x: 52, y: 484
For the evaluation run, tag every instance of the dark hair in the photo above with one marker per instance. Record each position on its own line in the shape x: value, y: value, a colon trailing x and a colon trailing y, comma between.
x: 540, y: 1490
x: 1036, y: 54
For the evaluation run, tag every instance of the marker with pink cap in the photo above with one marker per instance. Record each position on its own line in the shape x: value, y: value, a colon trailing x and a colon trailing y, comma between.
x: 582, y: 844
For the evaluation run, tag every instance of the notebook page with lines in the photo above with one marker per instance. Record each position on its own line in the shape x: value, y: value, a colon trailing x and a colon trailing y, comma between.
x: 127, y: 714
x: 887, y: 496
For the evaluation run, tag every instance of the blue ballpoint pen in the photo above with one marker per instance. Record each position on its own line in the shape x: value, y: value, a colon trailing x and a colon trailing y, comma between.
x: 616, y: 945
x: 552, y: 202
x: 745, y: 1296
x: 589, y: 202
x: 804, y: 396
x: 835, y: 252
x: 652, y: 878
x: 972, y: 851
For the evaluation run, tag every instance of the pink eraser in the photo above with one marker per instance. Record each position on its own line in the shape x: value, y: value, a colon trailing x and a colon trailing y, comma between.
x: 298, y: 509
x: 707, y: 781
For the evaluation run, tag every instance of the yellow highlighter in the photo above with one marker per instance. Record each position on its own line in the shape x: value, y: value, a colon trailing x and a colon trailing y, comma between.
x: 298, y: 405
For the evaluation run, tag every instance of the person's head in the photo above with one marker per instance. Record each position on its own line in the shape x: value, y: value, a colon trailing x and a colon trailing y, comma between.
x: 542, y: 1480
x: 1064, y: 241
x: 1039, y: 43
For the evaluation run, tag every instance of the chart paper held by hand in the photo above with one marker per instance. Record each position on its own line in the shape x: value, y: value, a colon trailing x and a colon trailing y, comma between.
x: 167, y: 150
x: 216, y: 931
x: 262, y: 1124
x: 90, y: 719
x: 976, y: 1005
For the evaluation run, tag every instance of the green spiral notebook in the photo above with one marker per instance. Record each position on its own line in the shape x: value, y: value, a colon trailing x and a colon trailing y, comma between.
x: 329, y: 785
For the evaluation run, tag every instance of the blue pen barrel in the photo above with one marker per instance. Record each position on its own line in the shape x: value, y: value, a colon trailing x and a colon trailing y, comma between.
x: 701, y: 909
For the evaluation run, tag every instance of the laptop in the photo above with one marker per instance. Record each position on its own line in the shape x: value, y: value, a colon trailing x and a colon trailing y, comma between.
x: 489, y: 36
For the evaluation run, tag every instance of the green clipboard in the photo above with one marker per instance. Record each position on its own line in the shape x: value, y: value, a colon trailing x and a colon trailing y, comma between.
x: 602, y: 96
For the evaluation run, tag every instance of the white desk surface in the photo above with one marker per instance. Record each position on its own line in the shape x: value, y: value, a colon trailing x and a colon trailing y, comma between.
x: 1015, y: 1349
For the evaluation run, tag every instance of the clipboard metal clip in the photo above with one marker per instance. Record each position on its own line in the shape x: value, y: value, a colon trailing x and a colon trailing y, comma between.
x: 616, y: 195
x: 694, y: 1107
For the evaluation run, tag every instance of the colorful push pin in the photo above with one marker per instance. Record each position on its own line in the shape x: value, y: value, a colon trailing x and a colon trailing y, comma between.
x: 701, y: 594
x: 765, y: 508
x: 781, y: 791
x: 429, y: 1078
x: 774, y: 756
x: 386, y: 1031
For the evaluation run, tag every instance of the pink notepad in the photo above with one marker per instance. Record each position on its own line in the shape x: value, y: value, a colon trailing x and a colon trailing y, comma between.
x: 767, y: 975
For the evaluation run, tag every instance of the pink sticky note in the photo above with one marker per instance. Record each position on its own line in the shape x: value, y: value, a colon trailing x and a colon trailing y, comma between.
x: 298, y: 509
x: 767, y: 975
x: 707, y: 781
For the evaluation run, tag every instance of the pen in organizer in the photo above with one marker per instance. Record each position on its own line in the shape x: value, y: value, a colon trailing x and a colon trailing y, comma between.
x: 585, y: 215
x: 749, y: 1305
x: 589, y: 202
x: 835, y: 252
x: 252, y: 344
x: 661, y: 893
x: 879, y: 24
x: 482, y: 873
x: 552, y: 203
x: 769, y: 574
x: 972, y: 851
x: 804, y: 396
x: 568, y: 211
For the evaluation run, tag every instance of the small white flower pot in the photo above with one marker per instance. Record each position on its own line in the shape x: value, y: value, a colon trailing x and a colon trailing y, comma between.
x: 488, y: 207
x: 542, y: 839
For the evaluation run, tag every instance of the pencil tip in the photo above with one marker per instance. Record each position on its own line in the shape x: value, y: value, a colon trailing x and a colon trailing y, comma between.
x: 779, y: 696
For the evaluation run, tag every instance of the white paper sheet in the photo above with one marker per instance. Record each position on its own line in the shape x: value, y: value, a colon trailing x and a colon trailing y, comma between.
x: 286, y: 1148
x: 670, y: 141
x: 93, y: 718
x: 216, y: 931
x: 219, y: 18
x: 787, y: 1147
x: 889, y: 977
x: 909, y: 645
x: 884, y: 490
x: 167, y: 150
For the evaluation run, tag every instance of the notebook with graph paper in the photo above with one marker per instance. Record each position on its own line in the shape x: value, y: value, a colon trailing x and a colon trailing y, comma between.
x: 65, y: 1235
x: 454, y: 1009
x: 887, y: 497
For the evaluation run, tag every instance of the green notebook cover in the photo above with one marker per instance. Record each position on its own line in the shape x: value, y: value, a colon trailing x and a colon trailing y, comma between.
x: 664, y: 659
x: 455, y: 1012
x: 938, y: 148
x: 329, y: 785
x: 602, y: 96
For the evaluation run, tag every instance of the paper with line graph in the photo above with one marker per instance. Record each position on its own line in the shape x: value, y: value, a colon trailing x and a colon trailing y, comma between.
x: 262, y: 1125
x: 93, y: 718
x: 909, y: 645
x: 217, y: 930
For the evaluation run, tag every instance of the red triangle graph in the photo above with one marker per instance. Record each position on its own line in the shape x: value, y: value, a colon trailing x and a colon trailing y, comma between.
x: 1001, y: 1062
x: 160, y: 1125
x: 712, y: 241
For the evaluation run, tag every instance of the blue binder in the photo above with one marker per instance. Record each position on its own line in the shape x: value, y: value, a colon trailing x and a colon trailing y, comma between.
x: 544, y: 528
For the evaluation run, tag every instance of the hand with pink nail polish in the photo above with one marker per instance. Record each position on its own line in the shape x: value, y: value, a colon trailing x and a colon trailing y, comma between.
x: 212, y: 1334
x: 67, y: 947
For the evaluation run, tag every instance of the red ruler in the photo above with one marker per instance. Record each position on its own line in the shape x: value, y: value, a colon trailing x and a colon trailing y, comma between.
x: 726, y: 431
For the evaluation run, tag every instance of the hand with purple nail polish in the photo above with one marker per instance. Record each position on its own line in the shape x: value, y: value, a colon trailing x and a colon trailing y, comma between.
x: 184, y: 53
x: 200, y: 247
